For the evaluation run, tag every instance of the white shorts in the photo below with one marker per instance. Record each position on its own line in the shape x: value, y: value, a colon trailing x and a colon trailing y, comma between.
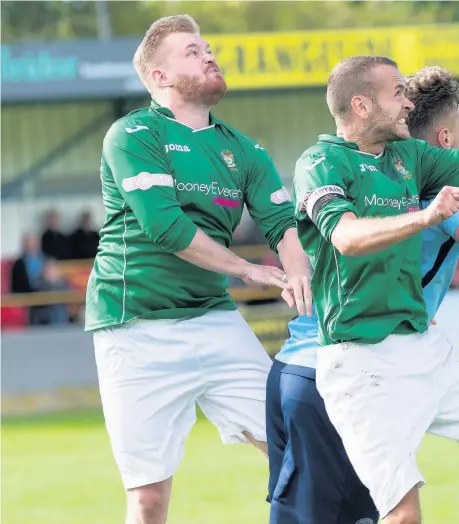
x: 153, y: 372
x: 383, y: 398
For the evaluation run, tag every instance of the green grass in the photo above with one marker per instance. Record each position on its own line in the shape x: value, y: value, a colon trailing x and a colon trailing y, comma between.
x: 59, y: 470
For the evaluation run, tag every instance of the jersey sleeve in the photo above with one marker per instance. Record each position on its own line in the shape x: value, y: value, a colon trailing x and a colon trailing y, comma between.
x: 321, y: 192
x: 144, y: 180
x: 268, y: 201
x: 438, y: 168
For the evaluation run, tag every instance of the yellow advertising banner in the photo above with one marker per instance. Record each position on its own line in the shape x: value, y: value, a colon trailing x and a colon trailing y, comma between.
x: 295, y: 59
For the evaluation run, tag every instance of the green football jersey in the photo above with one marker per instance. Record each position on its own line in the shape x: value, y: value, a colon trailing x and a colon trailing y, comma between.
x: 161, y: 181
x: 366, y: 298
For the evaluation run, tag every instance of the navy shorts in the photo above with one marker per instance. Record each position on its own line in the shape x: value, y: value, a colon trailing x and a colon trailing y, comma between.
x: 311, y: 480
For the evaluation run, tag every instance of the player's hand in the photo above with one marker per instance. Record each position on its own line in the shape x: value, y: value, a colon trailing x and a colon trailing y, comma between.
x: 256, y: 274
x: 298, y: 293
x: 444, y: 206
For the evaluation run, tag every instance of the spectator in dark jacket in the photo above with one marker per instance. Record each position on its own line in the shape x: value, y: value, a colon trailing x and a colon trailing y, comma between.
x: 54, y: 243
x: 26, y: 272
x: 27, y: 268
x: 84, y: 241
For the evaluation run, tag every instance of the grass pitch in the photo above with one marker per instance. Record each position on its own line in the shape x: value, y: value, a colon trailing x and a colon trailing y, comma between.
x: 58, y: 469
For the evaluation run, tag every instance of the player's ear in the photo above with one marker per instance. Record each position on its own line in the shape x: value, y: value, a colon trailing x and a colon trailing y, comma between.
x: 160, y: 78
x: 362, y: 106
x: 444, y: 138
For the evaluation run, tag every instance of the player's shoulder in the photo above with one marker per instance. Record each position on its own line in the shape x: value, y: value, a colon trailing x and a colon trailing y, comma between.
x: 319, y: 153
x: 408, y: 147
x: 245, y: 142
x: 140, y: 123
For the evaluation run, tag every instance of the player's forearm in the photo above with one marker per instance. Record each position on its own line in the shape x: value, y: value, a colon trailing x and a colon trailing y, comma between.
x: 208, y: 254
x: 354, y: 236
x: 292, y: 256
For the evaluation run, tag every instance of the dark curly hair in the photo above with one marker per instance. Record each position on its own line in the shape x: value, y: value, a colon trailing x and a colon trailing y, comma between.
x: 434, y: 94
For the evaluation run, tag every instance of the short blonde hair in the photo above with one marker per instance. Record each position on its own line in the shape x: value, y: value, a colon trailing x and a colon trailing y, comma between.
x: 146, y: 55
x: 352, y: 77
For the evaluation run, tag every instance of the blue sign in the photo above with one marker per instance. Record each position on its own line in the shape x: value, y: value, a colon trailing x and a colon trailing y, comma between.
x: 69, y: 70
x: 37, y: 66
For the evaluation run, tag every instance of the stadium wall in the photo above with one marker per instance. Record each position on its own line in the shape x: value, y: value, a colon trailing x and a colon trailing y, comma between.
x: 30, y: 133
x: 47, y: 369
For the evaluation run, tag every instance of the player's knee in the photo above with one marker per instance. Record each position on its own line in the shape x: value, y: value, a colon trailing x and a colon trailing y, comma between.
x: 149, y: 503
x: 151, y: 500
x: 408, y: 511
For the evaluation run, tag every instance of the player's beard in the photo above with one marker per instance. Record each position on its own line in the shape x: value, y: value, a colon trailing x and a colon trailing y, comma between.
x: 383, y: 127
x: 208, y: 93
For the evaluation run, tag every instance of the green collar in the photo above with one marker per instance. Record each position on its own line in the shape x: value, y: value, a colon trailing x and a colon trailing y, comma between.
x: 167, y: 112
x: 334, y: 139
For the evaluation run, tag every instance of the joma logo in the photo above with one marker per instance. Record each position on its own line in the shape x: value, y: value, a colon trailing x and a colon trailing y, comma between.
x: 177, y: 147
x: 367, y: 167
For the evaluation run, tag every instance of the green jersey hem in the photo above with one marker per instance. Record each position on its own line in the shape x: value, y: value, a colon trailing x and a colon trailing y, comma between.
x: 402, y: 328
x: 163, y: 314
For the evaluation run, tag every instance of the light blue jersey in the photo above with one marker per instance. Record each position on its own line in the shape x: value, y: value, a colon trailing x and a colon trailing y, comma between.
x: 301, y: 347
x: 440, y: 254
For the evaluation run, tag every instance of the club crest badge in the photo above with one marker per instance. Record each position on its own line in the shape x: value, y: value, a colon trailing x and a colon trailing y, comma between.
x: 400, y: 166
x: 228, y: 157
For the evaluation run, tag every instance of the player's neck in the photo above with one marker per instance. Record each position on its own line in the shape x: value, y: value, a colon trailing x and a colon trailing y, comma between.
x: 362, y: 139
x: 190, y: 114
x: 196, y: 117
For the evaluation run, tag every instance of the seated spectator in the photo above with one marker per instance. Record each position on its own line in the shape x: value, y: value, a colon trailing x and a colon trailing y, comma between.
x: 84, y: 241
x: 26, y: 271
x: 51, y: 279
x: 54, y: 243
x: 27, y: 268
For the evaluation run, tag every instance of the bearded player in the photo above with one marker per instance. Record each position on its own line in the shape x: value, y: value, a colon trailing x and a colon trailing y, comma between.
x: 167, y: 335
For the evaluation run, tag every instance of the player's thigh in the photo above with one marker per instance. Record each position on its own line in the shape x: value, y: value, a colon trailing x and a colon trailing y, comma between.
x: 372, y: 397
x: 446, y: 422
x: 148, y: 384
x: 235, y: 367
x: 275, y: 429
x: 316, y: 475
